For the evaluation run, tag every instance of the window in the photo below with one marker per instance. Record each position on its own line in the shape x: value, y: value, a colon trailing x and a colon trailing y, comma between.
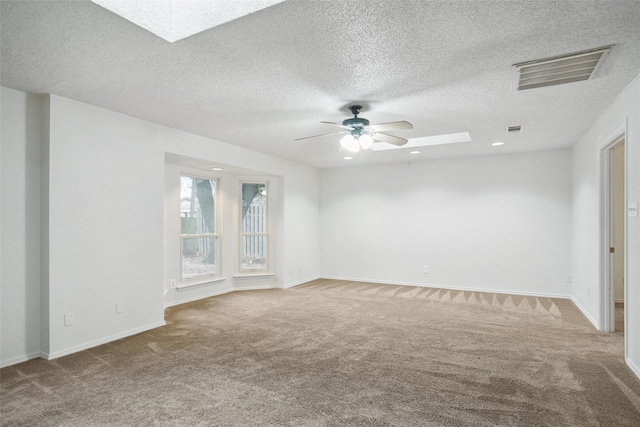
x: 199, y: 238
x: 254, y: 229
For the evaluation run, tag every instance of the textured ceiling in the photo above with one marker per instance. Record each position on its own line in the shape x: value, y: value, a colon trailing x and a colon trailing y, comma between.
x: 263, y: 80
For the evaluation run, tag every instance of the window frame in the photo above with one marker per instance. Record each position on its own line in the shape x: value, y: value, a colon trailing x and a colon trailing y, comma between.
x: 205, y: 277
x: 267, y: 233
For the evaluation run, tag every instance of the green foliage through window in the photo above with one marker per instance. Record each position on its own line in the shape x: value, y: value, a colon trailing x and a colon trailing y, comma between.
x: 198, y: 227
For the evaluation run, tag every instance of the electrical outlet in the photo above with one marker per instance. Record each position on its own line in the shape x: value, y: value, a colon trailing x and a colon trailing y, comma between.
x: 306, y: 266
x: 68, y: 319
x: 426, y: 269
x: 567, y: 278
x: 172, y: 283
x: 119, y: 307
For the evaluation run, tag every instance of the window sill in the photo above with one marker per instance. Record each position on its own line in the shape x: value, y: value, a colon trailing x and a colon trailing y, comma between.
x: 252, y: 275
x: 201, y: 282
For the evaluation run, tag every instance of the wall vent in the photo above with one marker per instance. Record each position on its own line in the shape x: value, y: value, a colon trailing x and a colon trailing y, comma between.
x: 514, y: 129
x: 573, y: 67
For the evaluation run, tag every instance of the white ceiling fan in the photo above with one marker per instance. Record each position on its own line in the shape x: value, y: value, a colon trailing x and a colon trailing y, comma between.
x: 360, y: 134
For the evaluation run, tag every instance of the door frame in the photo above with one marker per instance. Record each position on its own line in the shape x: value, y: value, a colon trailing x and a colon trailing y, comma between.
x: 607, y: 296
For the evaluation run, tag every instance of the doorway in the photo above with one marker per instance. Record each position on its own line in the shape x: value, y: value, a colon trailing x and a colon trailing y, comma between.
x: 614, y: 236
x: 617, y: 218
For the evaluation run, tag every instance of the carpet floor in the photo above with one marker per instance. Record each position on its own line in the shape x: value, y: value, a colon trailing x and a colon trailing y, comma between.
x: 335, y: 353
x: 619, y: 324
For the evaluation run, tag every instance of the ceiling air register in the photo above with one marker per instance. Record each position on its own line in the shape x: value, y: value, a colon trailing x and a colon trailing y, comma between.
x: 573, y: 67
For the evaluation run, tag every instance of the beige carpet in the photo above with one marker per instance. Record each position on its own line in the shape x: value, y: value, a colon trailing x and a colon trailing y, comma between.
x: 619, y: 306
x: 335, y: 353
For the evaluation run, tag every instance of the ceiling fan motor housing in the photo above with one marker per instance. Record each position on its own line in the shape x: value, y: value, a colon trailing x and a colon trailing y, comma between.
x: 355, y: 122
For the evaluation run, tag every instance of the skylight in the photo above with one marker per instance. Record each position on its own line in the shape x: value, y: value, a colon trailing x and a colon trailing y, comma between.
x: 174, y: 20
x: 451, y: 138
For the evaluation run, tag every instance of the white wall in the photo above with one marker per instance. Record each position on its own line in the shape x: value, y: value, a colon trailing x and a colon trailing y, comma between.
x: 20, y: 225
x: 106, y: 175
x: 301, y: 197
x: 99, y: 199
x: 145, y: 143
x: 498, y: 223
x: 587, y: 158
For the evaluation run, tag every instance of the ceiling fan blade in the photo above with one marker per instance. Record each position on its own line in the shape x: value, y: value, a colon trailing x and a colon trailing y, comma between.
x: 318, y: 136
x: 389, y: 139
x: 384, y: 127
x: 339, y: 125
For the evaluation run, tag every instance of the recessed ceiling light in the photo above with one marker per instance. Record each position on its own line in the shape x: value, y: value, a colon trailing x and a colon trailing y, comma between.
x: 348, y: 158
x: 414, y: 152
x: 216, y: 169
x: 498, y: 143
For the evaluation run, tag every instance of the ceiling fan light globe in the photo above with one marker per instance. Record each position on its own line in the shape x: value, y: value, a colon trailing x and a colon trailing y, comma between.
x: 365, y: 141
x: 349, y: 143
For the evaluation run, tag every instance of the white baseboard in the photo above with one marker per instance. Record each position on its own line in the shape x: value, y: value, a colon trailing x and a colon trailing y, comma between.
x: 452, y: 287
x: 20, y: 359
x: 199, y: 297
x: 243, y: 288
x: 300, y: 282
x: 101, y: 341
x: 255, y: 288
x: 584, y: 311
x: 633, y: 367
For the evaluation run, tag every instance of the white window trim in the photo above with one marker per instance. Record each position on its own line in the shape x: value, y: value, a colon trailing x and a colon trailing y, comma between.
x: 250, y: 275
x: 200, y: 279
x: 256, y: 272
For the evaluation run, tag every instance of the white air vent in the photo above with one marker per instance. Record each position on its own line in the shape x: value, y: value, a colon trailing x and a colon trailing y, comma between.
x: 573, y: 67
x: 514, y: 129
